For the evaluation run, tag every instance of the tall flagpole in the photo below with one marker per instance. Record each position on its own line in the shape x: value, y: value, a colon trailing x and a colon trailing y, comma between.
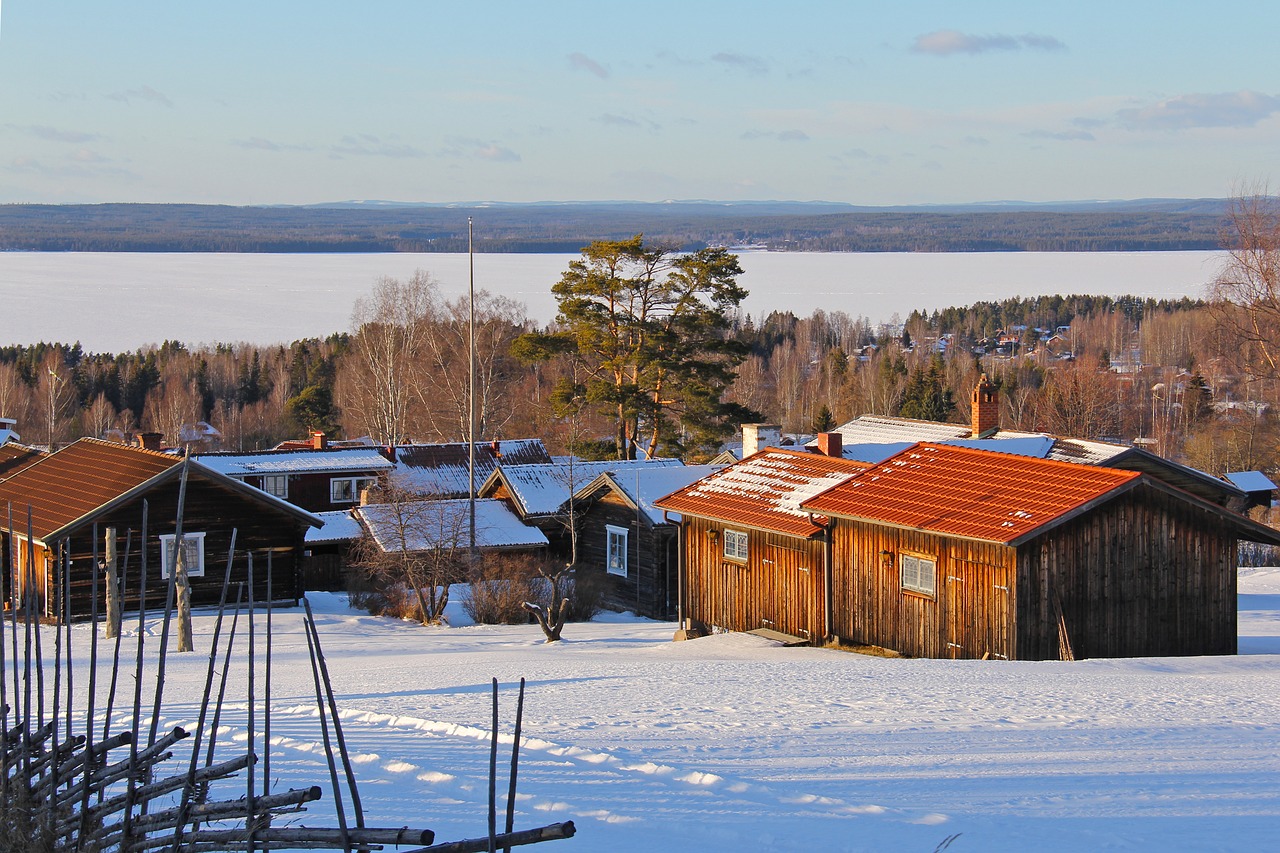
x: 471, y: 391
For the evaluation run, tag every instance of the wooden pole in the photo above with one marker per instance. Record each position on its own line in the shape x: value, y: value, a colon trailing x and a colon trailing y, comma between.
x: 115, y: 655
x: 493, y: 775
x: 324, y: 730
x: 356, y: 806
x: 515, y: 764
x: 112, y: 584
x: 552, y: 832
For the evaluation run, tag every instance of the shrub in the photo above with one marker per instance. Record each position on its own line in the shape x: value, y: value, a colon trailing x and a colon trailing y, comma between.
x: 499, y: 590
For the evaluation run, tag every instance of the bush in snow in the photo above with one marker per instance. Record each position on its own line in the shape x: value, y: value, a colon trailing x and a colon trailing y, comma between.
x: 500, y: 588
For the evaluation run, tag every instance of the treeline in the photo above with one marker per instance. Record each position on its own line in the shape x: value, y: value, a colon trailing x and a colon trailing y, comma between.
x: 565, y: 228
x: 1125, y: 369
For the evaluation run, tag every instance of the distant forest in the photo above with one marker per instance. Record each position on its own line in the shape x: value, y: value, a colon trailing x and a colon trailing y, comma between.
x: 1156, y: 225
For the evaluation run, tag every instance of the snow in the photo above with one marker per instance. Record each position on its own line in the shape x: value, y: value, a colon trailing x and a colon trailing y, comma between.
x: 427, y: 525
x: 732, y: 743
x: 275, y: 297
x: 294, y: 462
x: 339, y: 526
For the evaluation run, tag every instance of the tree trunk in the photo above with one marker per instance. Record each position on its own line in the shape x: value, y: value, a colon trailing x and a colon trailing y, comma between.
x: 112, y: 587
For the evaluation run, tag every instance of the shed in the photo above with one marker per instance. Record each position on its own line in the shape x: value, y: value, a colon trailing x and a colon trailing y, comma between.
x: 443, y: 470
x: 753, y: 557
x: 445, y: 525
x: 319, y: 480
x: 1257, y: 485
x: 93, y: 484
x: 946, y: 551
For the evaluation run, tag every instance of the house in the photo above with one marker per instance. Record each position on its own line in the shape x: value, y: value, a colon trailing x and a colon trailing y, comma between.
x: 944, y: 551
x: 318, y: 479
x: 442, y: 470
x: 627, y: 542
x: 61, y: 507
x: 539, y: 494
x: 753, y: 558
x: 445, y: 525
x: 14, y: 457
x: 1259, y: 488
x: 7, y: 432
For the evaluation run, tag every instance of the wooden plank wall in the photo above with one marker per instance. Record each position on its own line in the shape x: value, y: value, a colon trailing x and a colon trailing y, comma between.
x: 780, y: 586
x: 212, y: 510
x: 971, y: 614
x: 1146, y: 574
x: 649, y: 589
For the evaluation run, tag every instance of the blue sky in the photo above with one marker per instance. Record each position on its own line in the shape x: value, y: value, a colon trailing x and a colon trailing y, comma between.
x: 864, y: 102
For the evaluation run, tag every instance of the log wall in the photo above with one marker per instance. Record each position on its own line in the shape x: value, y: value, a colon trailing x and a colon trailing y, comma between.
x: 649, y: 589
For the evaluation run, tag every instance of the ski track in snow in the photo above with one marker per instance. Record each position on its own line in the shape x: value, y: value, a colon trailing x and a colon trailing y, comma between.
x: 733, y: 744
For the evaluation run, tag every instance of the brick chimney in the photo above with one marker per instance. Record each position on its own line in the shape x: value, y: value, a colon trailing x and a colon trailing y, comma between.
x: 756, y: 437
x: 986, y: 408
x: 150, y: 440
x: 830, y: 444
x: 318, y: 440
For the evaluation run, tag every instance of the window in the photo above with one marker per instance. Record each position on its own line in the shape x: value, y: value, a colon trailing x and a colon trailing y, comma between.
x: 346, y: 490
x: 735, y: 545
x: 276, y: 484
x: 919, y: 574
x: 616, y: 550
x: 192, y: 554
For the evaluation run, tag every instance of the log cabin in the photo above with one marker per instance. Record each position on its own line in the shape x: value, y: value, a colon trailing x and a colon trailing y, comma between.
x: 51, y: 510
x: 627, y: 543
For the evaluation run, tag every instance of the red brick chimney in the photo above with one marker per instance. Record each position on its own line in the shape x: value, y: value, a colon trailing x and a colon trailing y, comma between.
x: 829, y: 444
x: 318, y: 440
x: 986, y: 408
x: 150, y: 440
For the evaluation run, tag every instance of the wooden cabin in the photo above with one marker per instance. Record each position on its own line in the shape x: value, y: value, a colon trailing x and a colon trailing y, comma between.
x: 752, y: 557
x: 945, y: 551
x: 628, y: 543
x: 61, y: 507
x: 318, y: 479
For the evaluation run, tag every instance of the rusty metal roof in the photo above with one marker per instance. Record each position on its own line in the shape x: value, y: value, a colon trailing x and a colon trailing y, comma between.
x: 764, y: 491
x: 76, y: 480
x: 976, y: 494
x: 15, y: 457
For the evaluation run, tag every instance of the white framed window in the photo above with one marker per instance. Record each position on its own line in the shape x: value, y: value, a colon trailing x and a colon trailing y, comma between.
x: 735, y: 544
x: 616, y: 550
x: 919, y: 574
x: 346, y: 490
x: 192, y: 554
x: 276, y: 484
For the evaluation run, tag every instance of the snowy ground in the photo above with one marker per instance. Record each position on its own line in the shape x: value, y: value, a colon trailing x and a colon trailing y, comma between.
x: 730, y: 743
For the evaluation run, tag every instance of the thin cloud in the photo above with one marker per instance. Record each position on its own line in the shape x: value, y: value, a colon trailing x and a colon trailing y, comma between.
x: 145, y: 94
x: 582, y: 62
x: 461, y: 146
x: 950, y: 42
x: 617, y: 120
x: 1061, y: 135
x: 497, y: 154
x: 1220, y: 109
x: 743, y: 62
x: 779, y: 136
x: 53, y: 134
x: 366, y: 145
x: 258, y: 143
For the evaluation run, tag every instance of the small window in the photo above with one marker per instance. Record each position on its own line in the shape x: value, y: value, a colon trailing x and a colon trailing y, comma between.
x: 276, y: 484
x: 616, y: 550
x: 735, y: 544
x: 192, y: 554
x: 919, y: 574
x: 346, y: 490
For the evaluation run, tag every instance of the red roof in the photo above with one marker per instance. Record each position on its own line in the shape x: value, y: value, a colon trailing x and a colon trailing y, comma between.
x: 76, y: 480
x: 977, y: 494
x: 764, y: 491
x: 15, y: 457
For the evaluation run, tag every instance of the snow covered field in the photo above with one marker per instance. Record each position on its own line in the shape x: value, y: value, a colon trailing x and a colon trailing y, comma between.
x: 730, y: 743
x: 114, y: 301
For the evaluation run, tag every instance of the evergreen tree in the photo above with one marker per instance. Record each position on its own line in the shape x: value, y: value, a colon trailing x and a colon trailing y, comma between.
x: 927, y: 398
x: 824, y: 421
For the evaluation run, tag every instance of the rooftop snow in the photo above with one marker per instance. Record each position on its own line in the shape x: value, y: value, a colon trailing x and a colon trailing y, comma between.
x: 339, y: 526
x: 430, y: 525
x: 294, y: 462
x: 544, y: 489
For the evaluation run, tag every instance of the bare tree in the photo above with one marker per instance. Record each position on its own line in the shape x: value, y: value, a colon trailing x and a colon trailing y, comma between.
x: 99, y: 416
x: 1247, y: 291
x: 56, y: 395
x: 15, y: 395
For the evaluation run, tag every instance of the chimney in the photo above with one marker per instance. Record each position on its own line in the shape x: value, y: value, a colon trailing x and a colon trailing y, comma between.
x: 318, y: 440
x: 150, y: 440
x: 829, y: 444
x: 986, y: 408
x: 756, y: 437
x: 496, y: 447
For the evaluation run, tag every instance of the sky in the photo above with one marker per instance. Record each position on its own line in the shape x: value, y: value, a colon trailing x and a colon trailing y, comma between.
x: 875, y: 103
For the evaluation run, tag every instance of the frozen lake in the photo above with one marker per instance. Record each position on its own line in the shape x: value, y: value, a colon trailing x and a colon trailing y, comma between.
x: 114, y: 302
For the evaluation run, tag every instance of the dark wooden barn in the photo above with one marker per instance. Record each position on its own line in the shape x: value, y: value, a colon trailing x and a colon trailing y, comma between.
x: 318, y: 479
x: 752, y: 557
x: 627, y: 543
x: 94, y: 485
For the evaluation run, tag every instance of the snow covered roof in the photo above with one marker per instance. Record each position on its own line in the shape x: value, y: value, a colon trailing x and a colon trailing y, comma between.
x: 7, y: 432
x: 445, y: 524
x: 339, y: 526
x: 294, y: 461
x: 764, y: 491
x: 1250, y: 481
x: 976, y: 494
x: 545, y: 489
x: 879, y: 429
x: 441, y: 470
x: 642, y: 486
